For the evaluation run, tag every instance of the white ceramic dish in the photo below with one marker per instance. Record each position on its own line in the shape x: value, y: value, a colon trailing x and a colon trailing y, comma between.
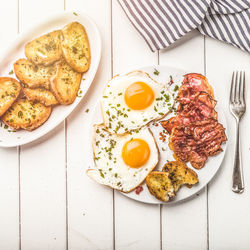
x: 16, y: 51
x: 205, y: 174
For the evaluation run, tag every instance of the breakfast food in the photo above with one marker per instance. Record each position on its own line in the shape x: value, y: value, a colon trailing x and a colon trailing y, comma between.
x: 200, y: 108
x: 75, y: 47
x: 195, y: 132
x: 133, y: 103
x: 196, y: 141
x: 65, y: 84
x: 32, y: 75
x: 9, y: 91
x: 164, y: 185
x: 123, y: 161
x: 180, y: 174
x: 26, y: 114
x: 41, y: 95
x: 133, y: 100
x: 192, y: 85
x: 47, y: 77
x: 46, y: 49
x: 160, y: 185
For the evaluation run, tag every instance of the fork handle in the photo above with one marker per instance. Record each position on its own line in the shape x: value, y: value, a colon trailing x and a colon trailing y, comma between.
x: 238, y: 180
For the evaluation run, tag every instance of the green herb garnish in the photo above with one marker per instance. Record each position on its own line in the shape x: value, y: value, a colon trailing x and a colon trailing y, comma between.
x: 176, y: 88
x: 156, y: 72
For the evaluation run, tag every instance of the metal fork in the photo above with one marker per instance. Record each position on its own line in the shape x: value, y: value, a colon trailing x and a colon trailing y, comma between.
x: 238, y: 107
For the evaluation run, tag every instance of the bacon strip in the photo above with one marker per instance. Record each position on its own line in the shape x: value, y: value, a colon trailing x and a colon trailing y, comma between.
x: 196, y: 141
x: 195, y: 132
x: 200, y: 108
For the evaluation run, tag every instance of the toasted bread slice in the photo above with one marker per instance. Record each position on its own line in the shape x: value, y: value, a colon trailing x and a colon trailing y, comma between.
x: 9, y: 91
x: 33, y: 75
x: 46, y: 49
x: 40, y: 95
x: 75, y: 47
x: 26, y: 114
x: 180, y: 174
x: 65, y: 84
x: 160, y: 185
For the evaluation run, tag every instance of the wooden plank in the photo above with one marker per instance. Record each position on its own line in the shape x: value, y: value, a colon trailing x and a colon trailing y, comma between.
x: 229, y: 219
x: 181, y: 224
x: 42, y: 166
x: 137, y: 226
x: 9, y: 191
x: 90, y: 205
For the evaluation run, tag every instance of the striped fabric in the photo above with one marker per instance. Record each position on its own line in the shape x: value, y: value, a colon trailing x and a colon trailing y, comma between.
x: 162, y: 22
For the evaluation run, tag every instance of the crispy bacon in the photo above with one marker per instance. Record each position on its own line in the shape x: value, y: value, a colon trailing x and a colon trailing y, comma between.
x: 191, y: 86
x: 195, y: 132
x: 196, y: 141
x: 200, y: 108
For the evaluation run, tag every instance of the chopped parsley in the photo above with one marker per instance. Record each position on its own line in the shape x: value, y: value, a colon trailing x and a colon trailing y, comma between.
x: 11, y: 72
x: 75, y: 13
x: 156, y: 72
x: 176, y: 88
x: 101, y: 173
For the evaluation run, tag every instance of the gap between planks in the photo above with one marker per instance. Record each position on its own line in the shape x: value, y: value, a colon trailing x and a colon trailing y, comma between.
x: 112, y: 73
x: 18, y: 156
x: 207, y: 186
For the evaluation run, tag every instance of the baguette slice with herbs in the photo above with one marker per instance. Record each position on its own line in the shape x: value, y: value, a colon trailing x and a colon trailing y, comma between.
x: 40, y: 95
x: 66, y: 83
x: 160, y: 185
x: 75, y: 47
x: 46, y: 49
x: 33, y: 75
x: 25, y: 114
x: 180, y: 174
x: 9, y: 91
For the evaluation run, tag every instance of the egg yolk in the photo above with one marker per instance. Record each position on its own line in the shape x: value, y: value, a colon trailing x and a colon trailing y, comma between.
x: 135, y: 153
x: 139, y: 96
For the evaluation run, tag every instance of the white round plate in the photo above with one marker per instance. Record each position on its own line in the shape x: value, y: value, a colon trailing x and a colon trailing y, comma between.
x: 205, y: 174
x: 16, y: 51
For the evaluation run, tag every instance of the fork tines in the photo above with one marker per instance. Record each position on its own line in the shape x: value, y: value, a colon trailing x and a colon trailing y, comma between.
x: 237, y: 92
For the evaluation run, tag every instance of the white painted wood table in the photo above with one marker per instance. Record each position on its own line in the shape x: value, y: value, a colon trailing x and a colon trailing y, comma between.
x: 47, y: 201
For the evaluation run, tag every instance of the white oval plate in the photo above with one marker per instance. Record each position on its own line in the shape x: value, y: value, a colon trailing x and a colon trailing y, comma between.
x: 16, y: 51
x: 205, y: 174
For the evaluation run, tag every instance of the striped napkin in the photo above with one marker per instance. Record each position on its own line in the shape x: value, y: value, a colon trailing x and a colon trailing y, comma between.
x: 162, y: 22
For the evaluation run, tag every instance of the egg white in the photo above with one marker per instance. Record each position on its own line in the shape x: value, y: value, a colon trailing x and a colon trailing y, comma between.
x: 110, y: 169
x: 118, y: 117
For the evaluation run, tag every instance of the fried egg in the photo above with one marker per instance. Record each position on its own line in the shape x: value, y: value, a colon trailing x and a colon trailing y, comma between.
x: 133, y: 100
x: 123, y: 161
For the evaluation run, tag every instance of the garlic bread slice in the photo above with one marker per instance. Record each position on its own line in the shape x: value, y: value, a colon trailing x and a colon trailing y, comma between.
x: 65, y: 84
x: 180, y: 174
x: 160, y: 185
x: 9, y: 91
x: 41, y: 95
x: 25, y: 114
x: 32, y: 75
x: 45, y: 49
x: 75, y: 47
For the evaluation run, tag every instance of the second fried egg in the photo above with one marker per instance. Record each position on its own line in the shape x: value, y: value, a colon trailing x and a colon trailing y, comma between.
x: 133, y: 100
